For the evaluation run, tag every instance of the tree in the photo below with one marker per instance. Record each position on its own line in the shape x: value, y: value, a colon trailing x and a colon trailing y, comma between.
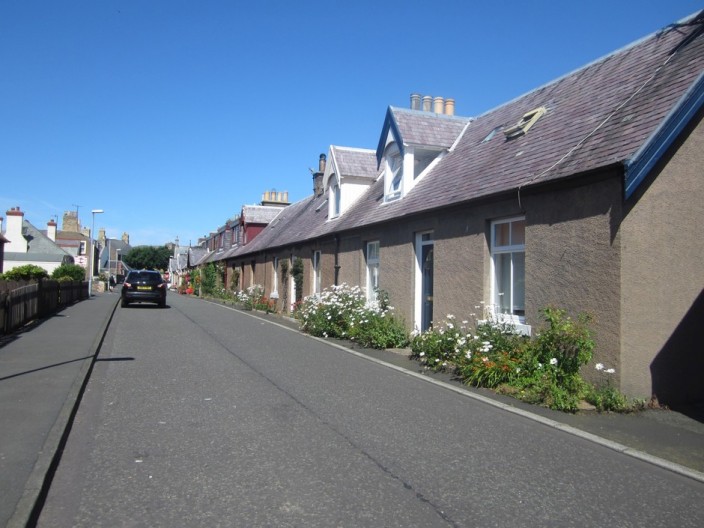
x: 148, y: 257
x: 26, y: 272
x: 69, y: 271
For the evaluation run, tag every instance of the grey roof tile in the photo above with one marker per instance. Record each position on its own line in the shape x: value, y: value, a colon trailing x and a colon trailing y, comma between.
x: 597, y: 116
x: 360, y: 163
x: 260, y: 214
x: 426, y: 128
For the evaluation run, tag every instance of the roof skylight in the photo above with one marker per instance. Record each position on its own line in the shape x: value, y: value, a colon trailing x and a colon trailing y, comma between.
x: 524, y: 124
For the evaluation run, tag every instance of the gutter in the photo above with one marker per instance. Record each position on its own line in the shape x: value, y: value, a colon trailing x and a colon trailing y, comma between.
x: 643, y: 161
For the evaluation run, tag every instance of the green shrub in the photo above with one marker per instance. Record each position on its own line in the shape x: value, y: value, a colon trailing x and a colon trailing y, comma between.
x: 253, y: 299
x: 25, y: 273
x: 380, y: 331
x: 497, y: 355
x: 210, y: 279
x: 564, y: 342
x: 607, y: 398
x: 442, y: 346
x: 69, y: 272
x: 343, y: 312
x: 543, y: 370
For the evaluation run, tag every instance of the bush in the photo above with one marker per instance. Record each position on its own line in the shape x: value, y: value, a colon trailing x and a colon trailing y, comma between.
x: 210, y: 279
x: 253, y: 299
x: 497, y: 355
x: 26, y: 273
x: 565, y: 342
x: 380, y: 331
x: 69, y: 272
x: 543, y: 370
x: 442, y: 346
x: 343, y: 312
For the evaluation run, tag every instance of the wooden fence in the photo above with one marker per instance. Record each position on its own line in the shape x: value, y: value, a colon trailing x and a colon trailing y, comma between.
x: 21, y: 302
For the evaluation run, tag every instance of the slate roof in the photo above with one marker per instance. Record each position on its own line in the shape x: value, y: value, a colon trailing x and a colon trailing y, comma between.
x: 40, y: 248
x: 355, y: 162
x: 180, y: 262
x: 604, y: 114
x: 298, y: 222
x: 416, y: 127
x: 259, y: 214
x: 597, y: 116
x: 195, y: 255
x: 68, y: 235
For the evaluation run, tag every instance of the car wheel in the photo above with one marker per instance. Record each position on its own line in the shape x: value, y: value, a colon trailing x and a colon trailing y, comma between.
x: 124, y: 303
x: 162, y: 304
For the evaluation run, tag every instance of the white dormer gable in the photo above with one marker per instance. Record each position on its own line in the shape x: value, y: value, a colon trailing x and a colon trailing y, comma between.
x: 404, y: 166
x: 348, y: 174
x: 412, y: 142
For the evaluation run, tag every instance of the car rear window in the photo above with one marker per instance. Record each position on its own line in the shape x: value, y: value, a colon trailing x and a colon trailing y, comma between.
x: 144, y: 275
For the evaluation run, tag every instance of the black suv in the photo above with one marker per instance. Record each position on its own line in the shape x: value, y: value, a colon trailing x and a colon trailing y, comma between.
x: 144, y: 286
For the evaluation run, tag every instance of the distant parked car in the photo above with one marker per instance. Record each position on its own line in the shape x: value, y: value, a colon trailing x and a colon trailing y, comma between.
x: 144, y: 286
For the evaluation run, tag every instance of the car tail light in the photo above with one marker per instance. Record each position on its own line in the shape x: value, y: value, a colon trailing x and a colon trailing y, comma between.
x: 161, y: 285
x: 128, y: 285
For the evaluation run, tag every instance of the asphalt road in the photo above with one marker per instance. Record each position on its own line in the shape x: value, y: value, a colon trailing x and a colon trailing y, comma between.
x: 198, y: 415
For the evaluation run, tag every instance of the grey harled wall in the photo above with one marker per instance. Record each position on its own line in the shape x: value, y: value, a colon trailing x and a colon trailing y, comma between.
x: 573, y: 260
x: 663, y: 276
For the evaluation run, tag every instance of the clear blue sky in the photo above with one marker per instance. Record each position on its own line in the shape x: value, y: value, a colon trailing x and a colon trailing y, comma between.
x: 172, y: 114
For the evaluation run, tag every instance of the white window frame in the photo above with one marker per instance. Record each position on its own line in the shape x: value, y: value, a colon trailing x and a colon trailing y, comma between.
x: 393, y: 173
x: 275, y: 289
x: 335, y: 201
x: 423, y: 238
x: 372, y: 256
x: 511, y: 249
x: 317, y: 282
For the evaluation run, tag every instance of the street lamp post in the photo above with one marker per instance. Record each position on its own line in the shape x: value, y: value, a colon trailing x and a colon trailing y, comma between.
x: 92, y: 253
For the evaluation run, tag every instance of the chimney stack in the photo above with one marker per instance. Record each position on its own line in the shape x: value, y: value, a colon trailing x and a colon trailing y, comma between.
x: 15, y: 222
x: 70, y: 222
x: 51, y: 230
x: 427, y: 103
x: 318, y: 177
x: 439, y: 105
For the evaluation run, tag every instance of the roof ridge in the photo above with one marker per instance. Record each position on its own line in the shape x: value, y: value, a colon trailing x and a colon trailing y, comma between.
x: 354, y: 149
x: 688, y: 20
x: 426, y: 113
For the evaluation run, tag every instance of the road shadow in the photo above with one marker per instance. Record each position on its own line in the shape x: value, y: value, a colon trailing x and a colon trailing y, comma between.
x: 44, y: 368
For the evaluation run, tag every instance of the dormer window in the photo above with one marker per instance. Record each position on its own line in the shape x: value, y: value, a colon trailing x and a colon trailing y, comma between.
x: 393, y: 174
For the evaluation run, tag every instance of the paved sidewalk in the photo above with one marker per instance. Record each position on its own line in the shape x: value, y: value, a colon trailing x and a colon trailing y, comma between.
x: 43, y: 368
